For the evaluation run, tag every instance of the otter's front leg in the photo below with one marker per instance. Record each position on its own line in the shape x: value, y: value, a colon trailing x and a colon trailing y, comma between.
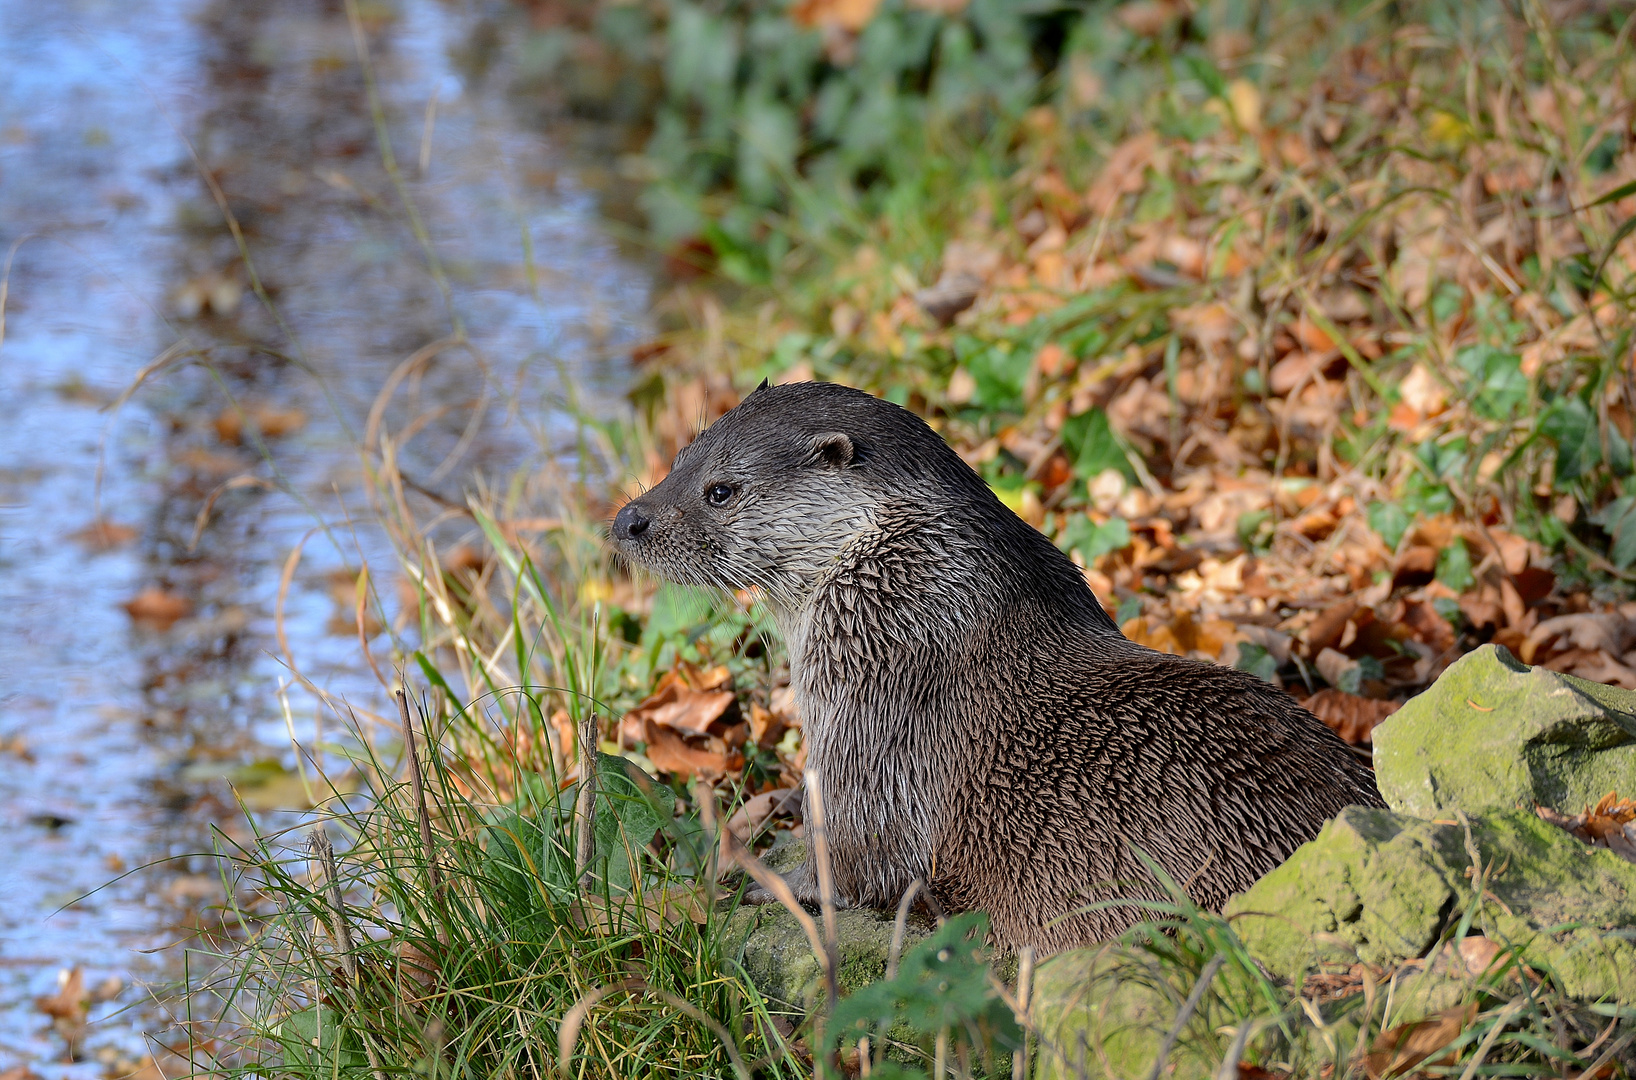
x: 802, y: 881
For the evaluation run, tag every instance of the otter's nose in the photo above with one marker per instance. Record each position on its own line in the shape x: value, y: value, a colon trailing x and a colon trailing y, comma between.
x: 630, y: 523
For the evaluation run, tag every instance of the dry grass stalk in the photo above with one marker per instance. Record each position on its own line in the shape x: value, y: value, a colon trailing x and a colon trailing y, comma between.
x: 585, y: 804
x: 826, y: 883
x: 417, y: 784
x: 320, y: 848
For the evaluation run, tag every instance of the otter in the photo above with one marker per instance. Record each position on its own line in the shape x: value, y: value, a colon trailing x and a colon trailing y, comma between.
x: 973, y: 716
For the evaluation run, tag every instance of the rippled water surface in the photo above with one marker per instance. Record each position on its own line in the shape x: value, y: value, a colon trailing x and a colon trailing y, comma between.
x: 118, y: 733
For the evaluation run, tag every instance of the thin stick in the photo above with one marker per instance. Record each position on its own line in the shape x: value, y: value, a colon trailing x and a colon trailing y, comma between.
x: 417, y: 783
x: 319, y: 846
x: 1025, y: 989
x: 585, y: 805
x: 826, y: 882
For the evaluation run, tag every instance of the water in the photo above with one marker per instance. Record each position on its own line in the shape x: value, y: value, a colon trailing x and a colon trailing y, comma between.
x: 115, y: 734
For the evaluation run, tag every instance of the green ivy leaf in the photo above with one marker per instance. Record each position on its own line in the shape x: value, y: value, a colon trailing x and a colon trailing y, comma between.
x: 1454, y: 567
x: 1093, y: 447
x: 1091, y: 540
x: 1257, y: 661
x: 1572, y: 426
x: 1390, y: 522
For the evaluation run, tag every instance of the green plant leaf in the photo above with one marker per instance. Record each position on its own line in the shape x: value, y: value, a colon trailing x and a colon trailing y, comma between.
x: 1093, y: 447
x: 1390, y: 522
x: 942, y: 983
x: 1571, y: 424
x: 1454, y: 567
x: 1091, y: 540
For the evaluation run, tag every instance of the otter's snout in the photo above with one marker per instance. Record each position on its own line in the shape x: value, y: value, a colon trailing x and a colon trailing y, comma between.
x: 630, y: 523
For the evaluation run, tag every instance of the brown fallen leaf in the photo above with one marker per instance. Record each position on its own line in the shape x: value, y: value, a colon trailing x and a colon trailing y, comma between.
x: 270, y: 421
x: 767, y: 726
x: 1594, y: 665
x: 671, y: 753
x: 1147, y: 18
x: 1350, y: 716
x: 1325, y: 631
x: 751, y: 819
x: 208, y: 464
x: 1122, y: 175
x: 69, y: 1002
x: 1401, y: 1048
x: 689, y: 701
x: 1611, y: 823
x: 157, y: 608
x: 1299, y: 368
x: 1611, y: 631
x: 103, y: 535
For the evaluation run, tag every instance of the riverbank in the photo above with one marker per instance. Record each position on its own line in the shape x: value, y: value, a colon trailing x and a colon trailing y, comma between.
x: 1309, y: 336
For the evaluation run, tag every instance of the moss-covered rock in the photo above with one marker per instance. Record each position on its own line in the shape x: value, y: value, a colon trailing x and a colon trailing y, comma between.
x: 1383, y: 887
x: 1492, y: 732
x: 777, y: 954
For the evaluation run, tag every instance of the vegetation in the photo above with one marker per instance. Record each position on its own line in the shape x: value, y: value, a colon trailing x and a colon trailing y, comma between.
x: 1306, y: 329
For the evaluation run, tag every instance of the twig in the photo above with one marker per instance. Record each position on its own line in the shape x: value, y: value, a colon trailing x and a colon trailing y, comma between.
x: 585, y: 805
x: 826, y: 882
x: 320, y: 848
x: 417, y: 783
x: 1025, y: 990
x: 1190, y: 1006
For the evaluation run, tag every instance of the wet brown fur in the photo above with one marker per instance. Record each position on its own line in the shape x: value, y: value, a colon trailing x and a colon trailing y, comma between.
x: 973, y: 715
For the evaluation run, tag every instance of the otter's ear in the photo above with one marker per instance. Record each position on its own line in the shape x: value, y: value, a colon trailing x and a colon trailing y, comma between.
x: 831, y: 450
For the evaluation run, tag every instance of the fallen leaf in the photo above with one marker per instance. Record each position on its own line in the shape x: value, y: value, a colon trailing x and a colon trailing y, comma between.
x: 1245, y: 100
x: 1301, y: 367
x: 1610, y: 631
x: 1479, y: 953
x: 689, y: 701
x: 1611, y: 823
x: 751, y: 819
x: 1350, y: 716
x: 269, y: 421
x: 669, y: 752
x: 1122, y: 175
x: 1401, y: 1048
x: 103, y: 535
x: 766, y: 726
x: 69, y: 1002
x: 1422, y: 392
x: 157, y: 608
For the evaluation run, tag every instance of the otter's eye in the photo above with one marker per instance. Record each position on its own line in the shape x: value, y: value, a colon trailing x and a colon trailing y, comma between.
x: 719, y: 494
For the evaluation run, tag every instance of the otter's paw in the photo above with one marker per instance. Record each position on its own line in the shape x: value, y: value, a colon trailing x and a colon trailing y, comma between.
x: 756, y: 895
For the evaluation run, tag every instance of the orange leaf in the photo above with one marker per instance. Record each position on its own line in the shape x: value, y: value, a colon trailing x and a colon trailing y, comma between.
x: 1350, y: 716
x: 158, y: 608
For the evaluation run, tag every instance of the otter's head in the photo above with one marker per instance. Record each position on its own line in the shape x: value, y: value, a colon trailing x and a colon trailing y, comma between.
x: 772, y: 493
